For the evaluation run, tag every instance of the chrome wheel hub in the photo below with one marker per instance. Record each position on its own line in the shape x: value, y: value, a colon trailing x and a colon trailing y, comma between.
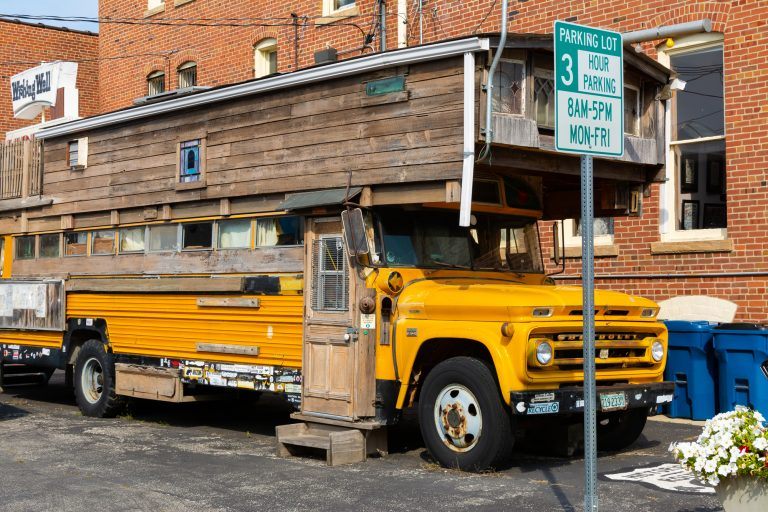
x: 458, y: 419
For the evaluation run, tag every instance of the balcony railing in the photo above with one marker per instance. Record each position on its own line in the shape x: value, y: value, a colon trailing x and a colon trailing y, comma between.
x: 20, y: 169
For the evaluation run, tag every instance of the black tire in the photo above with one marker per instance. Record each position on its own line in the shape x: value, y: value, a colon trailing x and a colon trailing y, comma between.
x: 617, y: 430
x: 95, y: 381
x: 441, y: 430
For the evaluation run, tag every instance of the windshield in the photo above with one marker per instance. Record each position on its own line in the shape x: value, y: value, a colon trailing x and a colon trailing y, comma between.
x: 434, y: 239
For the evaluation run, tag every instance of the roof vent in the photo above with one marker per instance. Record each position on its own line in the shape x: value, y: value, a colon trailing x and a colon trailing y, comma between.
x: 168, y: 95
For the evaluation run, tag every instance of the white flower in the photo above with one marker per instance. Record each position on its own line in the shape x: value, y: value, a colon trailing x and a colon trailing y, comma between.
x: 761, y: 443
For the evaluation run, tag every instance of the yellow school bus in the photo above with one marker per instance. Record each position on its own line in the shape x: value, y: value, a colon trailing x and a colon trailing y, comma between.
x: 298, y: 234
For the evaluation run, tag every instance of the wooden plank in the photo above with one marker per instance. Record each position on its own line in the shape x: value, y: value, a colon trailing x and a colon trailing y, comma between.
x: 227, y: 302
x: 218, y: 348
x: 156, y: 285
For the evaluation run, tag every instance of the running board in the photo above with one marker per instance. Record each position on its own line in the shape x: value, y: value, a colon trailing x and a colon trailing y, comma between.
x: 342, y: 444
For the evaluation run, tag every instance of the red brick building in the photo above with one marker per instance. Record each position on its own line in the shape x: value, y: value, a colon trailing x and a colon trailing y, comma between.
x: 24, y: 46
x: 701, y: 231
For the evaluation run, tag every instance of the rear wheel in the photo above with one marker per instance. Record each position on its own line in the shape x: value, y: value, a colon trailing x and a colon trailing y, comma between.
x: 95, y: 381
x: 462, y: 418
x: 617, y: 430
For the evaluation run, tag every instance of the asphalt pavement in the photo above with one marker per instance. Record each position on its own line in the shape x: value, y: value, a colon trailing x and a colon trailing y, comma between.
x: 220, y: 456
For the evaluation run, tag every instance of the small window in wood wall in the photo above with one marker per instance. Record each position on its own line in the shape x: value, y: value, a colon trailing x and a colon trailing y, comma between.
x: 77, y: 153
x: 190, y: 161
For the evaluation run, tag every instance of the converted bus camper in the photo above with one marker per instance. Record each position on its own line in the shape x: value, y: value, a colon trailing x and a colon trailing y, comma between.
x: 299, y: 234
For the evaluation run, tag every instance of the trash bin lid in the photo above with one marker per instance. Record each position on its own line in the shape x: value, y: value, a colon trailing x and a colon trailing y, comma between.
x: 741, y: 327
x: 689, y: 326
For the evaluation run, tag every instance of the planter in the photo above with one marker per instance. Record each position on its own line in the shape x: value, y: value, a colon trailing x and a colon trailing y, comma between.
x: 742, y: 494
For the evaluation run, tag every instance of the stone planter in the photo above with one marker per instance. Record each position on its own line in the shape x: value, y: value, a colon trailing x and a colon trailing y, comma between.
x: 742, y: 494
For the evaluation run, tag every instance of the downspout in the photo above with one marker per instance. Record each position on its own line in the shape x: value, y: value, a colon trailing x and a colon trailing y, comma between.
x: 468, y: 170
x: 489, y: 88
x: 383, y: 24
x: 402, y: 24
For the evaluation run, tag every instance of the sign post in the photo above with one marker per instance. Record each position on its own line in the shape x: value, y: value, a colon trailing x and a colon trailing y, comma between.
x: 589, y: 120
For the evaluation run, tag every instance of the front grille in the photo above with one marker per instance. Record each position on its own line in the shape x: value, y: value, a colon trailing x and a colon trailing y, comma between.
x: 610, y: 336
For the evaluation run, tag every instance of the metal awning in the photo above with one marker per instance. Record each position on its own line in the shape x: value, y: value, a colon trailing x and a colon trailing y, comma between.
x: 333, y: 196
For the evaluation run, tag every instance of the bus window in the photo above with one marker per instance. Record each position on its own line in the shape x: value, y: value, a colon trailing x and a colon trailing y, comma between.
x: 235, y: 234
x: 197, y: 235
x: 75, y: 244
x: 279, y: 231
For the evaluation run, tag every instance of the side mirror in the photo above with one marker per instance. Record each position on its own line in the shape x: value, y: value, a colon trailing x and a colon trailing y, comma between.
x: 355, y: 236
x: 558, y: 248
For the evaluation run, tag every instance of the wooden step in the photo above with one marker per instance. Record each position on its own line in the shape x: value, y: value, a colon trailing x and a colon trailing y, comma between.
x: 343, y: 445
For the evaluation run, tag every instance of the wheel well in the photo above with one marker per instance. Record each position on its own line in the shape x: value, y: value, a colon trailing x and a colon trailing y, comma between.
x: 434, y: 351
x: 76, y: 340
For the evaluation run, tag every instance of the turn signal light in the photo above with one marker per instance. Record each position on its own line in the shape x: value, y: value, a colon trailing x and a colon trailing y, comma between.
x: 507, y: 329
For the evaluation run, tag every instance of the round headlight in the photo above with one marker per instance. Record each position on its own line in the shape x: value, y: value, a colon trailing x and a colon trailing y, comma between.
x: 544, y: 353
x: 657, y: 351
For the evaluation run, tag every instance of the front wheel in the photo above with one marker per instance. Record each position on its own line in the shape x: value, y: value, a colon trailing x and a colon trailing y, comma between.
x: 95, y: 381
x: 617, y: 430
x: 462, y: 418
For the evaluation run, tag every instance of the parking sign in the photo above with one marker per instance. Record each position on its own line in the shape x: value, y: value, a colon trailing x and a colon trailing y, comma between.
x: 589, y: 90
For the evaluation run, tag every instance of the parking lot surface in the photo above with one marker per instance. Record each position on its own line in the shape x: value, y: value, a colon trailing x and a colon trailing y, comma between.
x: 220, y: 456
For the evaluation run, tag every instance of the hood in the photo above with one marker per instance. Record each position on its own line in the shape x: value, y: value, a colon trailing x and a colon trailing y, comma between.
x: 491, y: 300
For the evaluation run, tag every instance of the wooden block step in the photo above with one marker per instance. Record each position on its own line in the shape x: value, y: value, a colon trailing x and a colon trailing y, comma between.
x: 342, y: 445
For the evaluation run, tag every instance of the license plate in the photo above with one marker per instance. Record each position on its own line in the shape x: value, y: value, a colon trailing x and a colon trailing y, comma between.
x: 613, y: 401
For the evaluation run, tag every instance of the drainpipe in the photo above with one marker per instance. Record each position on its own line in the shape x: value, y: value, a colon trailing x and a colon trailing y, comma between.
x: 680, y: 29
x: 421, y: 22
x: 402, y: 24
x: 489, y: 88
x: 295, y: 40
x: 383, y: 24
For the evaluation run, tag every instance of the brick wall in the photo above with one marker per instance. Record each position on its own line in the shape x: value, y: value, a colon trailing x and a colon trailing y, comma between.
x: 225, y: 55
x: 23, y: 46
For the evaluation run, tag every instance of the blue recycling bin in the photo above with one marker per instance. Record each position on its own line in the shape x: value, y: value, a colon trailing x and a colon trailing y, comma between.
x: 692, y: 366
x: 741, y: 349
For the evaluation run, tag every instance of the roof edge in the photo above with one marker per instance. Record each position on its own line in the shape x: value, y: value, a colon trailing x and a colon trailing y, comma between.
x: 305, y: 76
x: 49, y: 27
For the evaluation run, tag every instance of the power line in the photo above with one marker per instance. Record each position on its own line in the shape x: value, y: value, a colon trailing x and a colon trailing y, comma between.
x: 95, y: 59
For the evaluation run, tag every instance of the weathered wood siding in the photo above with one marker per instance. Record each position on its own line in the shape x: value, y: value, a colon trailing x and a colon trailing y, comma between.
x: 298, y: 139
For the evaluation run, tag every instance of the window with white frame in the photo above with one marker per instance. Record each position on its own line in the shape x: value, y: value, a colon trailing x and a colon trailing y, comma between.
x: 331, y: 6
x: 695, y: 194
x: 155, y: 83
x: 187, y: 74
x: 265, y: 58
x: 154, y: 4
x: 602, y: 230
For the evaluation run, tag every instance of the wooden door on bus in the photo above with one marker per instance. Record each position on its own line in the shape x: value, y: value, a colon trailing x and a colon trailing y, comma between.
x: 329, y: 338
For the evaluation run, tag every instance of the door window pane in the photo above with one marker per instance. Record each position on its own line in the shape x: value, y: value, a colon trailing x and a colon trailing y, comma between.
x: 164, y: 237
x: 235, y: 234
x: 330, y: 290
x: 508, y: 88
x: 103, y: 242
x: 279, y: 231
x: 75, y: 244
x: 544, y: 101
x: 50, y: 246
x: 25, y: 247
x: 699, y: 108
x: 189, y: 161
x: 132, y: 239
x: 198, y: 235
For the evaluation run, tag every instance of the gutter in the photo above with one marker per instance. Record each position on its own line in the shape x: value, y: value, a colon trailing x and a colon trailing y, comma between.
x: 306, y: 76
x: 700, y: 275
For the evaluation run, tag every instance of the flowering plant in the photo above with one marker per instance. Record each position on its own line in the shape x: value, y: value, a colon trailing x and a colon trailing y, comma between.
x: 733, y: 443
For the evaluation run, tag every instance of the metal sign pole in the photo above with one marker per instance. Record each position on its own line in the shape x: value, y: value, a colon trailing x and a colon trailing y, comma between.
x: 588, y: 314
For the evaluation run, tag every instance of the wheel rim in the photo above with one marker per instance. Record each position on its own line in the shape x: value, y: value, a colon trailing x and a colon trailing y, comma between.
x: 92, y: 380
x: 458, y: 418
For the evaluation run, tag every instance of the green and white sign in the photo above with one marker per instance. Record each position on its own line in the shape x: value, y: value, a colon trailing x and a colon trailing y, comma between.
x: 589, y: 90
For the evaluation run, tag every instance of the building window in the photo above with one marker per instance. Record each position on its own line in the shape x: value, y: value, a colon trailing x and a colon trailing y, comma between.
x: 632, y: 110
x: 187, y: 75
x: 50, y: 245
x: 155, y: 83
x: 279, y: 231
x: 25, y: 247
x: 197, y: 235
x: 265, y: 58
x: 330, y: 290
x: 544, y: 98
x: 155, y: 4
x: 331, y: 6
x: 235, y: 234
x: 189, y: 161
x: 77, y: 153
x: 76, y: 244
x: 695, y: 192
x: 103, y: 242
x: 132, y: 239
x: 509, y: 87
x: 164, y: 237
